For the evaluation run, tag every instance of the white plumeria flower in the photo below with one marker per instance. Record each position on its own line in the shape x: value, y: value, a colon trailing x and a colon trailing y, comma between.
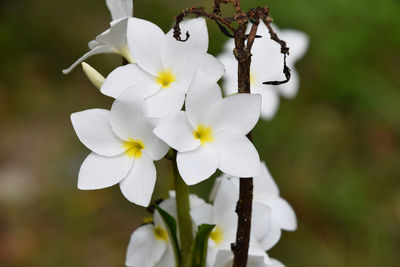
x: 266, y: 193
x: 149, y: 244
x: 212, y: 132
x: 123, y: 148
x: 223, y: 215
x: 165, y: 67
x: 225, y: 259
x: 114, y: 39
x: 267, y: 65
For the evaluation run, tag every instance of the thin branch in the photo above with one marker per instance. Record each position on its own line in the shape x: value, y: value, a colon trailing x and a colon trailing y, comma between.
x: 199, y: 12
x: 284, y: 51
x: 252, y: 35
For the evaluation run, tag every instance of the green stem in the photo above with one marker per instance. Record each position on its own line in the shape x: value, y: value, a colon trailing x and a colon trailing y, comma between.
x: 184, y: 219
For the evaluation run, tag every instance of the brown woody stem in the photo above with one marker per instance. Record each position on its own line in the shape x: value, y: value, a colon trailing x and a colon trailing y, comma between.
x: 244, y: 206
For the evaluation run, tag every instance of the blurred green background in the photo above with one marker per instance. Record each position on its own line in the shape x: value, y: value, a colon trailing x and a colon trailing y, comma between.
x: 334, y: 149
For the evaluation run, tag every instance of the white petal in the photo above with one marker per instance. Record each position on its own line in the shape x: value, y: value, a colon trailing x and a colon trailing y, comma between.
x: 211, y: 256
x: 237, y: 155
x: 282, y: 214
x: 197, y: 165
x: 144, y: 249
x: 129, y: 121
x: 257, y: 261
x: 94, y: 131
x: 195, y: 201
x: 290, y: 89
x: 256, y: 250
x: 202, y: 96
x: 166, y: 102
x: 225, y: 200
x: 230, y: 84
x: 168, y: 259
x: 198, y: 40
x: 120, y: 8
x: 138, y: 186
x: 177, y: 133
x: 115, y: 36
x: 210, y: 65
x: 298, y: 43
x: 101, y: 49
x: 271, y: 238
x: 155, y: 147
x: 237, y: 113
x: 270, y: 100
x: 174, y: 50
x: 145, y: 40
x: 99, y: 172
x: 224, y: 258
x: 264, y: 186
x: 128, y: 116
x: 202, y: 214
x: 261, y: 220
x: 128, y: 76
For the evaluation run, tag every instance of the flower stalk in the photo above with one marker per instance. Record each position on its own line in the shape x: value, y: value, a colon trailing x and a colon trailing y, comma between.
x: 184, y: 219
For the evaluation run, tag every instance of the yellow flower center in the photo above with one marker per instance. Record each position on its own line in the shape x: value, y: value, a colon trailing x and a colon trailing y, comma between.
x: 133, y: 148
x: 217, y: 235
x: 253, y: 78
x: 148, y: 219
x: 160, y: 233
x: 204, y: 134
x: 165, y: 78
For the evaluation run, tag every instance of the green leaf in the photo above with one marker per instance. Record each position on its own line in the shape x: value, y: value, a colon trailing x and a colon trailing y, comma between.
x: 171, y: 225
x: 198, y: 253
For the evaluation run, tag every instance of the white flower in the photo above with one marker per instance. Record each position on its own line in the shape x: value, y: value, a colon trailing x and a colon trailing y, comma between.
x: 150, y: 244
x: 212, y: 132
x: 225, y: 259
x: 112, y: 40
x: 223, y: 215
x: 165, y: 67
x: 123, y: 146
x: 280, y: 214
x: 267, y: 65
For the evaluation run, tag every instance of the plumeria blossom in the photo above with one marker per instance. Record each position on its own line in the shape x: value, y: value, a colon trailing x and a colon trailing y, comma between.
x: 123, y: 148
x: 266, y: 193
x: 222, y: 215
x: 267, y: 65
x: 114, y: 39
x: 212, y: 132
x: 165, y: 67
x: 149, y: 244
x: 225, y: 259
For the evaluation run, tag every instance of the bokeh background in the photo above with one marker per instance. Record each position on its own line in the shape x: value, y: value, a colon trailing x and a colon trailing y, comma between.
x: 334, y: 149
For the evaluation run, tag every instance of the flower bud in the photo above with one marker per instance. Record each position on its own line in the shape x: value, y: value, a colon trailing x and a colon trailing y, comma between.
x: 93, y: 75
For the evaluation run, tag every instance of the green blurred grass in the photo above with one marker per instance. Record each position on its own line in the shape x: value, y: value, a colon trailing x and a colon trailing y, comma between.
x: 334, y: 150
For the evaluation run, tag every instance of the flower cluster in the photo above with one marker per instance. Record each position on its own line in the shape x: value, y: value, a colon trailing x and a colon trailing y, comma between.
x: 150, y: 244
x: 167, y: 98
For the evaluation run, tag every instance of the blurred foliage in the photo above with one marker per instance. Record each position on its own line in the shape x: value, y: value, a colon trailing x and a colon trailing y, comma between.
x: 334, y: 149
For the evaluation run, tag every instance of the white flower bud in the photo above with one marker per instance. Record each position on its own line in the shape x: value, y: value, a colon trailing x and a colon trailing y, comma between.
x: 93, y: 75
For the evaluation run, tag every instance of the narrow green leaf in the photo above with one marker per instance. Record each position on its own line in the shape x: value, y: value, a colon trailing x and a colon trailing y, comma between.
x: 198, y: 253
x: 171, y: 225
